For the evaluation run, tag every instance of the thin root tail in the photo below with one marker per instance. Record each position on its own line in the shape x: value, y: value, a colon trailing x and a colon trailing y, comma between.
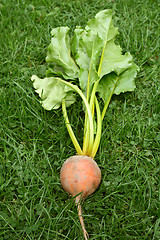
x: 79, y: 209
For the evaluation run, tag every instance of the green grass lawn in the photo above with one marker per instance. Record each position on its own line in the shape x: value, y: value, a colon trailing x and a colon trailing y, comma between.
x: 34, y: 143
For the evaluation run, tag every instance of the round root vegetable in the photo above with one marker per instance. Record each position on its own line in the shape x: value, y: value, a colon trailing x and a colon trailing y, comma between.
x: 80, y: 176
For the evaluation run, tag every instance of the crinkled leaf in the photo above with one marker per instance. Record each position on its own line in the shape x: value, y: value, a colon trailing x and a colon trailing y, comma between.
x: 102, y: 25
x: 111, y: 58
x: 59, y: 55
x: 114, y: 60
x: 52, y: 91
x: 87, y: 58
x: 75, y: 40
x: 95, y: 51
x: 113, y: 84
x: 126, y: 80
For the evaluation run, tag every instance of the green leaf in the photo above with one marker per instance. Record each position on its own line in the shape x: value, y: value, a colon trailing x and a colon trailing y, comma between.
x: 113, y: 60
x: 126, y: 81
x: 113, y: 84
x: 88, y: 45
x: 59, y: 55
x: 111, y: 54
x: 52, y: 91
x: 76, y: 39
x: 95, y: 52
x: 102, y: 25
x: 86, y: 49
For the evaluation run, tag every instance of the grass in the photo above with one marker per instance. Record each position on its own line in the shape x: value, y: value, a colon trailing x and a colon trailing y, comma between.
x: 34, y: 143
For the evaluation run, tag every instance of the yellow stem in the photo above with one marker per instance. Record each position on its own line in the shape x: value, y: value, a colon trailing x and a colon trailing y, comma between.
x: 70, y: 131
x: 99, y: 129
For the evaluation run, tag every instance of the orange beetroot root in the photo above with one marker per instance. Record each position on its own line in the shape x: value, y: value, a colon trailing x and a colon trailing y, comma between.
x: 80, y: 174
